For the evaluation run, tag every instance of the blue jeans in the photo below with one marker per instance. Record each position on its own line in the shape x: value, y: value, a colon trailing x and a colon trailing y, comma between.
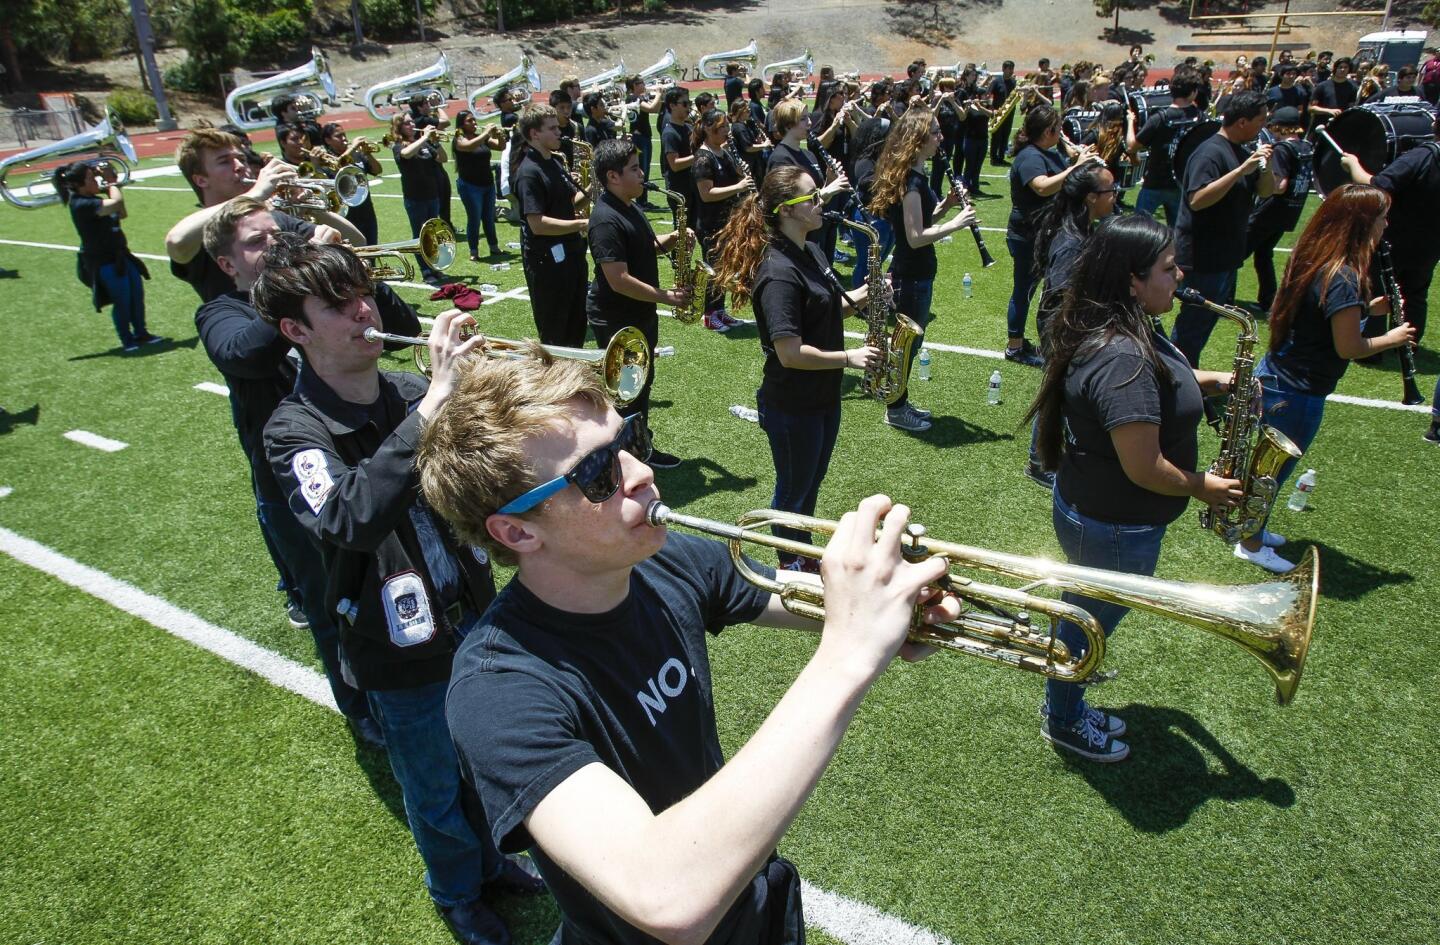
x: 801, y: 445
x: 1195, y: 322
x: 1435, y: 402
x: 1130, y: 549
x: 419, y: 211
x: 1023, y: 252
x: 862, y: 245
x: 302, y: 565
x: 127, y: 298
x: 458, y: 861
x: 912, y: 297
x: 479, y: 209
x: 1154, y: 198
x: 1295, y: 414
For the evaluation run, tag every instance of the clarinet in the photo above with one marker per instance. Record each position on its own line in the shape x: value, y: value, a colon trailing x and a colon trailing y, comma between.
x: 1411, y: 395
x: 986, y: 260
x: 819, y: 151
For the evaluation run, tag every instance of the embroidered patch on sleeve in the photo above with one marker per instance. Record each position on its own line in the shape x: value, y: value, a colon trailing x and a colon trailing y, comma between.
x: 315, y: 482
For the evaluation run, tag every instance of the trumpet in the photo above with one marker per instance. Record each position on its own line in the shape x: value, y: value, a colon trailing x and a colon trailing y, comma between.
x: 624, y: 365
x: 390, y: 262
x: 349, y: 188
x: 1271, y: 621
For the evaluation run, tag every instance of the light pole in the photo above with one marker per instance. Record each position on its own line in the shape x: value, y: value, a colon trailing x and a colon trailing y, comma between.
x: 145, y: 40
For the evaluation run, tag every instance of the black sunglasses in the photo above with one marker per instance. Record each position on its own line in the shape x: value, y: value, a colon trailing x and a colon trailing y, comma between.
x: 597, y: 475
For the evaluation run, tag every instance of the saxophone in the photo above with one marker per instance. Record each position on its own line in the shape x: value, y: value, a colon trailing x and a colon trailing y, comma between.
x: 887, y: 381
x: 691, y: 275
x: 584, y: 171
x: 1250, y: 451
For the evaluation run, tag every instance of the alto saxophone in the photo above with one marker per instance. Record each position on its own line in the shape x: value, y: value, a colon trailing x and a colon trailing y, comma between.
x: 583, y: 168
x: 887, y: 381
x: 692, y: 275
x: 1250, y: 451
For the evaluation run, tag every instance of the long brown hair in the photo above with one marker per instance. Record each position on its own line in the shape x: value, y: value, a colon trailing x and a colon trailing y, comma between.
x: 752, y: 226
x: 893, y: 166
x: 1339, y: 235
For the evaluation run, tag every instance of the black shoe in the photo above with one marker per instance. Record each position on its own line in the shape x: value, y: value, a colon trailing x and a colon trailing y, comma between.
x: 474, y: 923
x: 516, y: 878
x: 1432, y: 435
x: 367, y: 731
x: 296, y: 616
x: 1041, y: 477
x: 148, y: 339
x: 999, y: 162
x: 1026, y: 355
x: 660, y: 459
x: 9, y: 274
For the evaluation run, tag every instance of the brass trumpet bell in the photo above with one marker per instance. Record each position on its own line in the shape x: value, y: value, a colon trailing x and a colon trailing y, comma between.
x: 1272, y: 620
x: 390, y: 262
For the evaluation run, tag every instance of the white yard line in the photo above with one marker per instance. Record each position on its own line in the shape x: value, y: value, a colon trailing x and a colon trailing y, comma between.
x: 95, y: 441
x: 72, y: 249
x: 211, y: 387
x: 5, y: 491
x: 850, y: 921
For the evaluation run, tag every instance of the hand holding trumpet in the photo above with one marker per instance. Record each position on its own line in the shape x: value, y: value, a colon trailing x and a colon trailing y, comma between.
x: 448, y: 344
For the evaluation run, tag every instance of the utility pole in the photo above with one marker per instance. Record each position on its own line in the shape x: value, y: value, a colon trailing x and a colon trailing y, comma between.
x: 420, y: 19
x: 355, y: 21
x: 500, y: 16
x: 145, y: 41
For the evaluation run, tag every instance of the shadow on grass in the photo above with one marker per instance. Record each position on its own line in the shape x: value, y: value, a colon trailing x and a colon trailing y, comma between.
x: 696, y: 477
x: 9, y: 421
x: 1343, y: 577
x: 169, y: 344
x: 1175, y: 766
x: 375, y: 765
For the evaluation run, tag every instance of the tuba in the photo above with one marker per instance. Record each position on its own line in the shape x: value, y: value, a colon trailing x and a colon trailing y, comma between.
x: 713, y: 65
x: 434, y: 82
x: 308, y: 80
x: 390, y: 262
x: 663, y: 74
x: 600, y: 81
x: 624, y: 364
x: 107, y: 142
x: 1271, y: 621
x: 803, y: 61
x: 691, y: 275
x: 887, y: 382
x: 1250, y: 451
x: 522, y: 81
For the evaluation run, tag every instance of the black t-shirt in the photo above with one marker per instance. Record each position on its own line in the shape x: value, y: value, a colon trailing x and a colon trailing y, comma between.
x: 620, y: 233
x: 1160, y: 134
x: 839, y: 146
x: 1026, y: 205
x: 783, y: 155
x: 1307, y: 360
x: 864, y: 177
x: 743, y: 137
x: 721, y: 171
x: 675, y: 139
x: 1116, y: 385
x: 1210, y: 240
x: 473, y: 167
x: 1064, y: 250
x: 1413, y: 183
x: 537, y: 694
x: 509, y: 119
x: 417, y: 174
x: 1296, y: 97
x: 952, y: 120
x: 734, y: 89
x: 209, y: 280
x: 1000, y: 89
x: 603, y: 130
x: 1332, y: 94
x: 795, y: 296
x: 1291, y: 160
x: 913, y: 262
x: 542, y: 186
x: 101, y: 239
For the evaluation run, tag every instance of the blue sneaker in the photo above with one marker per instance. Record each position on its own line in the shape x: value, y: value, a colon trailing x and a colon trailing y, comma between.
x: 1085, y: 739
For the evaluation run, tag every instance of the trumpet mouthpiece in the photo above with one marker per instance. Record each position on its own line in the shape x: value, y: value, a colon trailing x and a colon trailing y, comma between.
x: 656, y: 513
x: 374, y: 334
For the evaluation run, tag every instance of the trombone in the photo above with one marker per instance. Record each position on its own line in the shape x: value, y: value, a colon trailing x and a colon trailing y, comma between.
x: 624, y: 364
x: 390, y: 262
x: 1271, y: 621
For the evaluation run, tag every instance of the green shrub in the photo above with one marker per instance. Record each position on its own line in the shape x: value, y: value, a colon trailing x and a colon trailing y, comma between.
x: 133, y: 106
x: 391, y: 17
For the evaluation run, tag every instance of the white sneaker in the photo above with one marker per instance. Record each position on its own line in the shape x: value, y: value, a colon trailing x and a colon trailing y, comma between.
x: 1265, y: 558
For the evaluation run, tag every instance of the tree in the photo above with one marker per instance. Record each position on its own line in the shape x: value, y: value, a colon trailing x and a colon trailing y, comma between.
x: 1106, y: 7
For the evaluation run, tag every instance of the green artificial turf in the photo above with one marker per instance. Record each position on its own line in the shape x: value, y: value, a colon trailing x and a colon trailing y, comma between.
x: 151, y: 792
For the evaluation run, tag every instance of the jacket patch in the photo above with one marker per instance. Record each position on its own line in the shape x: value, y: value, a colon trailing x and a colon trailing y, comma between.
x: 407, y: 610
x: 314, y: 477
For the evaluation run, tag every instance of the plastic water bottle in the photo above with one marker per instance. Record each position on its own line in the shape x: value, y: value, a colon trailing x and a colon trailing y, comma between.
x: 500, y: 267
x: 992, y: 396
x: 924, y: 363
x: 1303, y: 487
x: 947, y: 238
x: 746, y: 413
x: 968, y: 284
x: 487, y: 288
x: 512, y: 245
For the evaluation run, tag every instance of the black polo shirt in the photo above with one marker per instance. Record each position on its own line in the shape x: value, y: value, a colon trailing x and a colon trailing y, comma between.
x: 543, y: 186
x: 1000, y: 89
x: 796, y: 295
x: 598, y: 131
x: 417, y: 174
x: 675, y: 139
x: 1212, y: 240
x: 101, y: 239
x: 1025, y: 204
x: 620, y: 233
x: 209, y: 280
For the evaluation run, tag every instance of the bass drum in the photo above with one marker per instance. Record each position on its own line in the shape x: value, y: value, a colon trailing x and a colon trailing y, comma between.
x: 1147, y: 102
x: 1202, y: 132
x: 1076, y: 121
x: 1377, y: 134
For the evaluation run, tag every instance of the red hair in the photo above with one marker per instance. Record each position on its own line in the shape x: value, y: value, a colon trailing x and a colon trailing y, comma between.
x: 1340, y: 235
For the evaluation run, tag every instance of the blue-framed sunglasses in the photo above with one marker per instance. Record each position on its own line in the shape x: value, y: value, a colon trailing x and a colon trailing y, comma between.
x: 597, y: 474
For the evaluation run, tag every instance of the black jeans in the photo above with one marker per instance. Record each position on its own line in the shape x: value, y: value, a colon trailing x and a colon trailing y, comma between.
x: 557, y: 294
x: 1262, y: 243
x: 1000, y: 140
x: 801, y: 445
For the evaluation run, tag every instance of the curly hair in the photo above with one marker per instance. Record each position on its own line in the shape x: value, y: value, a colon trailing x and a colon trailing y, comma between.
x: 752, y: 226
x: 906, y: 138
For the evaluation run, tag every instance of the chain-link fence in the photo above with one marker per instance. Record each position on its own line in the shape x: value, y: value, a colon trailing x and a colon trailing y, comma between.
x: 46, y: 125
